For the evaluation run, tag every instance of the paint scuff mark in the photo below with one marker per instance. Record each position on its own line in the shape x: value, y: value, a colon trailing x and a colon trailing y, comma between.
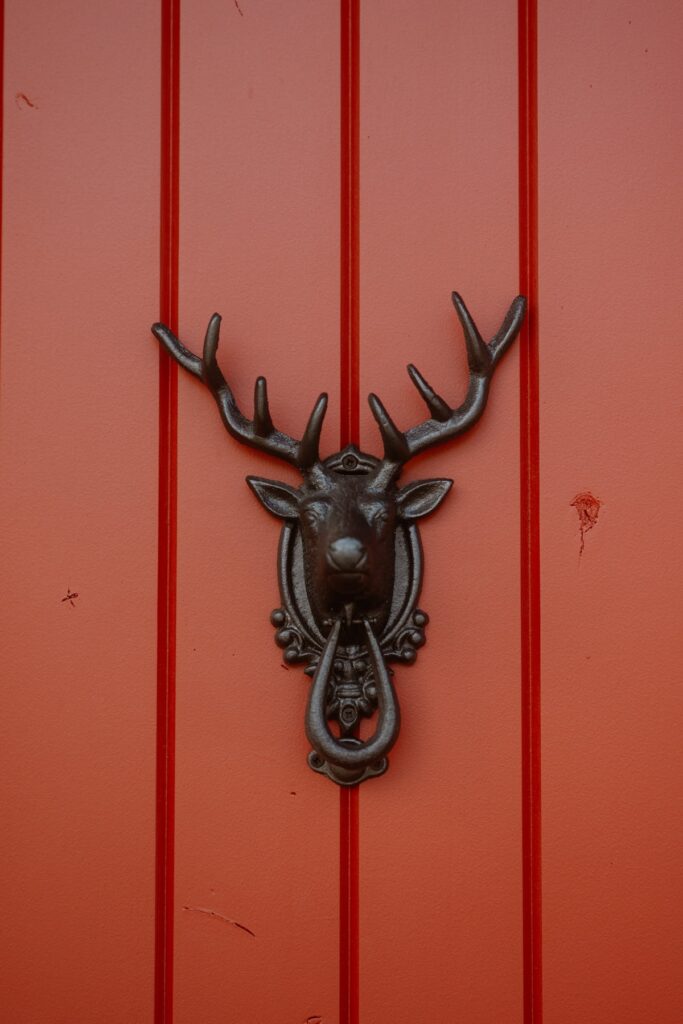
x: 22, y: 101
x: 70, y: 597
x: 315, y: 1019
x: 588, y: 509
x: 221, y: 917
x: 238, y: 8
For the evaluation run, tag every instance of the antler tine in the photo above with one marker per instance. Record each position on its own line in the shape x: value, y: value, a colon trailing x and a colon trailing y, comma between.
x: 439, y: 409
x: 175, y: 348
x: 310, y: 442
x: 263, y: 424
x: 479, y: 357
x: 260, y: 432
x: 395, y: 448
x: 510, y: 328
x: 211, y: 339
x: 444, y: 421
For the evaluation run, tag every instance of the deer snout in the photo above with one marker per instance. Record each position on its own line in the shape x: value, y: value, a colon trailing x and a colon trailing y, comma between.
x: 347, y: 555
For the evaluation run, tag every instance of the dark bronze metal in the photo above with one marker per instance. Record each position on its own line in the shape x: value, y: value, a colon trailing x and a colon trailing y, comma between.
x: 350, y: 560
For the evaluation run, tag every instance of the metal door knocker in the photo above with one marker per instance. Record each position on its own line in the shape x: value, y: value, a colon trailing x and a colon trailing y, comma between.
x: 350, y: 559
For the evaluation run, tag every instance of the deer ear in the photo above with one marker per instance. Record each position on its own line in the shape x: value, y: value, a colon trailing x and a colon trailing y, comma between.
x: 280, y: 499
x: 418, y: 499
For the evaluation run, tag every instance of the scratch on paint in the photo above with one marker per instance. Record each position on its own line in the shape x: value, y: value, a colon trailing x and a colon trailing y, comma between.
x: 21, y: 99
x: 239, y: 8
x: 221, y: 917
x: 588, y: 509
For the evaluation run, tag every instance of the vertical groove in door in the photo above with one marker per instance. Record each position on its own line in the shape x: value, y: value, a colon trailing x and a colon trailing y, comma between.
x: 348, y: 906
x: 530, y: 536
x: 350, y: 144
x: 2, y: 137
x: 168, y: 457
x: 349, y: 433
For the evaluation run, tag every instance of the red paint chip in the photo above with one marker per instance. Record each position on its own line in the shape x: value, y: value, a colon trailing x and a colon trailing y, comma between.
x: 588, y: 509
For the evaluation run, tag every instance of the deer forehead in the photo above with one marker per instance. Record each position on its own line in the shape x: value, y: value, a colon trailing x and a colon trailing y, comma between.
x: 351, y: 492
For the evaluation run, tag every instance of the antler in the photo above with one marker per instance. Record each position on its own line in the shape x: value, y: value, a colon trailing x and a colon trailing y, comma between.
x: 259, y: 432
x: 444, y: 421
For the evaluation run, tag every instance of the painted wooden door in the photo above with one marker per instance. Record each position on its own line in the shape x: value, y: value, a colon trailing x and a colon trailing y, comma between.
x: 167, y: 853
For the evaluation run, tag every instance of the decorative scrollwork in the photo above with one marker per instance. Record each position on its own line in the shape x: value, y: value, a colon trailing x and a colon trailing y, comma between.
x: 408, y: 640
x: 291, y: 639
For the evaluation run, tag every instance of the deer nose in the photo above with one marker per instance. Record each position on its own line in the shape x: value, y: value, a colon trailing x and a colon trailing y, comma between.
x: 346, y: 555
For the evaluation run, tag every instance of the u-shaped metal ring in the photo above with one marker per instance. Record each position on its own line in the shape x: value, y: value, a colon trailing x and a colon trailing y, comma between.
x: 349, y: 762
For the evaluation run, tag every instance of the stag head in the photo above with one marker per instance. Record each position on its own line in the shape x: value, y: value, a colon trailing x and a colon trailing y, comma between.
x: 348, y: 513
x: 347, y: 509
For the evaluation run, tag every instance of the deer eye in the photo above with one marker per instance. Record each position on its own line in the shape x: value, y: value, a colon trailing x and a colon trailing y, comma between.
x: 314, y: 514
x: 380, y: 517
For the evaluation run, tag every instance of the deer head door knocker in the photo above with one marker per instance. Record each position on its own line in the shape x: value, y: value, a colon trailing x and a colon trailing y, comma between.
x: 350, y: 562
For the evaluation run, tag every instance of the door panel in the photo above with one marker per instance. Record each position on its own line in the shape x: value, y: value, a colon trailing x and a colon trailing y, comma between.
x: 441, y: 900
x: 256, y: 831
x: 430, y: 903
x: 78, y: 507
x: 611, y: 365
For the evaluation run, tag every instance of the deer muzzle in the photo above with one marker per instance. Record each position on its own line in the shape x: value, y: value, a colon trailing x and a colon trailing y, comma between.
x: 347, y: 562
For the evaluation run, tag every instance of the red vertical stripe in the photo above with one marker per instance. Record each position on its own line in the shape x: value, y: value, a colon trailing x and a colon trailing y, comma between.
x: 168, y: 449
x: 2, y: 129
x: 350, y: 278
x: 348, y: 907
x: 530, y: 539
x: 349, y: 433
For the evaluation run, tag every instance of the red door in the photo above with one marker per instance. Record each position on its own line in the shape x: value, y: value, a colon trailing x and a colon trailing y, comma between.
x: 168, y: 853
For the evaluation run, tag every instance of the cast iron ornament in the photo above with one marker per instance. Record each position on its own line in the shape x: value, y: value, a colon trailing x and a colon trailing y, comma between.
x: 350, y: 559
